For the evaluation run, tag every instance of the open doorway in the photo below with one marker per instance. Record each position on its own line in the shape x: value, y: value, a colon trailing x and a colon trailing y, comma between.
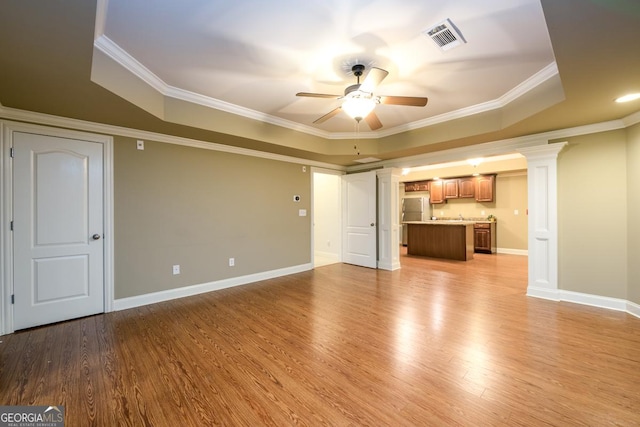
x: 326, y: 216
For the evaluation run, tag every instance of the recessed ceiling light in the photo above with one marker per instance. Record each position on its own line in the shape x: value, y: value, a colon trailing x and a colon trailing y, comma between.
x: 629, y: 97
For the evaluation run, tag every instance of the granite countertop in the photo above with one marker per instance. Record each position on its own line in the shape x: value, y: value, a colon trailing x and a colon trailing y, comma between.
x: 451, y: 221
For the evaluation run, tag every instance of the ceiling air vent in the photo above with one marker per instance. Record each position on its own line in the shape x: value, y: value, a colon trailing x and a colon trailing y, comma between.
x: 445, y: 35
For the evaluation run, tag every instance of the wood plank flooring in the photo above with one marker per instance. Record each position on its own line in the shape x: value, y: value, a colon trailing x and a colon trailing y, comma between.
x: 437, y: 342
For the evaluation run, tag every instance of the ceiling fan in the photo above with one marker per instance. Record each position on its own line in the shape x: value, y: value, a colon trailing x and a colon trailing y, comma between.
x: 359, y: 100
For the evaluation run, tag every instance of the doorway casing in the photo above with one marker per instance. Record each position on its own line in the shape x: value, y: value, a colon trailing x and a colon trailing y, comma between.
x: 7, y: 129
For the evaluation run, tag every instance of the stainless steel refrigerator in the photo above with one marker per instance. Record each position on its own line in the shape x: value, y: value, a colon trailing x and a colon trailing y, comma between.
x: 414, y: 209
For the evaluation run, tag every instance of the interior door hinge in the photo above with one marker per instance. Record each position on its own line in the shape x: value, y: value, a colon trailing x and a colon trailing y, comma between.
x: 11, y: 152
x: 11, y: 225
x: 13, y: 299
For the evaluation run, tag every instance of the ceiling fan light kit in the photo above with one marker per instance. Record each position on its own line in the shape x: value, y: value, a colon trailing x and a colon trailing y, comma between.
x: 359, y: 100
x: 358, y: 107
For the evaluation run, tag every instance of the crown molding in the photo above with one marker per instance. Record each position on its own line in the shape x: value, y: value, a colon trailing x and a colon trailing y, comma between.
x: 531, y: 83
x: 63, y: 122
x: 504, y: 146
x: 105, y: 45
x: 128, y: 62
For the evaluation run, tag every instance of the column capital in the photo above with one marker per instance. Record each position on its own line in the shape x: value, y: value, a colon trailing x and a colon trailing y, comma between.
x: 542, y: 152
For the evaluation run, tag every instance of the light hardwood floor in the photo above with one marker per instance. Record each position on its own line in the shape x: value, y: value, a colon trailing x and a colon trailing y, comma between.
x: 435, y: 343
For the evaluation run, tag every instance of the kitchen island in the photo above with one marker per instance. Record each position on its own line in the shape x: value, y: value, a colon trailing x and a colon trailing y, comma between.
x: 441, y: 239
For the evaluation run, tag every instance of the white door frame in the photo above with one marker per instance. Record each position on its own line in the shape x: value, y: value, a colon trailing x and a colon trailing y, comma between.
x: 367, y: 260
x: 7, y: 128
x: 314, y: 171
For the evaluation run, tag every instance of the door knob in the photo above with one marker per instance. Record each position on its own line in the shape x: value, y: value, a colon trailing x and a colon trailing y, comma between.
x: 96, y: 236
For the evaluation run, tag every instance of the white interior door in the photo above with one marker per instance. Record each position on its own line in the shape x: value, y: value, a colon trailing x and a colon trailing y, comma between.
x: 359, y: 219
x: 58, y: 229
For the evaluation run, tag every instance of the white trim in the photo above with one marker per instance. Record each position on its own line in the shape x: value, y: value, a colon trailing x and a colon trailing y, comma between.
x: 499, y: 147
x: 6, y: 211
x: 105, y: 45
x: 599, y: 301
x: 313, y: 171
x: 171, y: 294
x: 520, y: 90
x: 63, y: 122
x: 6, y: 242
x: 633, y: 308
x: 508, y: 251
x: 542, y: 187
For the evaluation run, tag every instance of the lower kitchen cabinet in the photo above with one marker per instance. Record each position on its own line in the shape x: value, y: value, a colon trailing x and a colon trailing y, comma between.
x: 484, y: 237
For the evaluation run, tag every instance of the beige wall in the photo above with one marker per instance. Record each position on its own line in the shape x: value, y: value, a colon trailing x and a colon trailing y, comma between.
x: 197, y: 208
x: 592, y: 215
x: 633, y: 200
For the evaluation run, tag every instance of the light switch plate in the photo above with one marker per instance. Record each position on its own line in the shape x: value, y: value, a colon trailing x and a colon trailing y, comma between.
x: 302, y: 212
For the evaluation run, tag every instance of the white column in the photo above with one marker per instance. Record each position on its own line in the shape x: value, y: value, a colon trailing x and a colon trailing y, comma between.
x: 542, y: 183
x: 388, y: 219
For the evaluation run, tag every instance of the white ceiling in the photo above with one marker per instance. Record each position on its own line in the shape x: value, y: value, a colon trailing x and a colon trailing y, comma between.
x: 251, y: 57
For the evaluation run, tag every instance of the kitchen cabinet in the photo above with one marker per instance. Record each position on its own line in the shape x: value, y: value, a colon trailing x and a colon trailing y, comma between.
x: 482, y: 188
x: 416, y: 186
x: 451, y: 188
x: 466, y: 187
x: 484, y: 237
x: 436, y: 191
x: 449, y: 240
x: 410, y: 186
x: 485, y: 188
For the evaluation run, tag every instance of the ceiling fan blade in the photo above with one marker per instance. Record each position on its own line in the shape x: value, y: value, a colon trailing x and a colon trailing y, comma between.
x: 373, y: 79
x: 317, y: 95
x: 328, y: 115
x: 412, y: 101
x: 373, y: 121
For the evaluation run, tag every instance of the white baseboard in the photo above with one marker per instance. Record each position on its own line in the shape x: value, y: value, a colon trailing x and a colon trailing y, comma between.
x: 543, y: 293
x: 140, y: 300
x: 633, y: 308
x: 508, y: 251
x: 330, y: 256
x: 391, y: 266
x: 609, y: 303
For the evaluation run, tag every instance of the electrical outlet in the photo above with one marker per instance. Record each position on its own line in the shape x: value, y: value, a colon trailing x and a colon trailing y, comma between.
x: 515, y: 212
x: 232, y: 262
x: 176, y: 269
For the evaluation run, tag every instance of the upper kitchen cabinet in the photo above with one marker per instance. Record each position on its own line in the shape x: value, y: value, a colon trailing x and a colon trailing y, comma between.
x: 410, y: 186
x: 451, y: 188
x: 481, y: 188
x: 466, y: 187
x: 485, y: 188
x: 416, y: 186
x: 436, y: 191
